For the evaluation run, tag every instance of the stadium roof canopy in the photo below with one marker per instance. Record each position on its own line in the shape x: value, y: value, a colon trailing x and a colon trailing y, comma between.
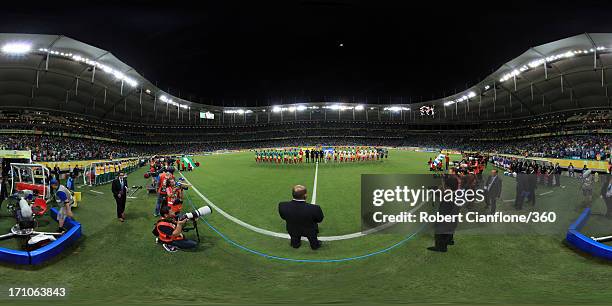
x: 58, y: 73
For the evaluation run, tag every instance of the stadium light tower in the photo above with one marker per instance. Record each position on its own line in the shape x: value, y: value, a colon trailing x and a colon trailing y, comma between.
x: 16, y: 48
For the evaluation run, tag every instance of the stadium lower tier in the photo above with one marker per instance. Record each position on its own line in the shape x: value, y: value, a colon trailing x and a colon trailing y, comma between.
x: 60, y: 148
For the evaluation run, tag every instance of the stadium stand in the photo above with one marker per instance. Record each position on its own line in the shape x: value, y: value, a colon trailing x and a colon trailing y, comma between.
x: 66, y: 100
x: 51, y: 140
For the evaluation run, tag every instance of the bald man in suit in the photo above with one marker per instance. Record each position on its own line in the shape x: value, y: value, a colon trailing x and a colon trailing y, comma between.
x: 302, y: 218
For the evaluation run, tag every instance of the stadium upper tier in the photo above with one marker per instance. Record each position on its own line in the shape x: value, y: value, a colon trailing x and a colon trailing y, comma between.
x: 57, y: 73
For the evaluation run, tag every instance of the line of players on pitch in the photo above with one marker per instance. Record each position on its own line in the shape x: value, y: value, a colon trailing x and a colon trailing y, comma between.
x: 338, y: 155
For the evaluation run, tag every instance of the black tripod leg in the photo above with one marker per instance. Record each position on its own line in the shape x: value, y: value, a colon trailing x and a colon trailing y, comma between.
x: 195, y: 225
x: 7, y: 236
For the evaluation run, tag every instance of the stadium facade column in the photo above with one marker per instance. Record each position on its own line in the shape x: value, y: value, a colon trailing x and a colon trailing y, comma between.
x: 480, y: 103
x: 456, y: 109
x: 495, y: 94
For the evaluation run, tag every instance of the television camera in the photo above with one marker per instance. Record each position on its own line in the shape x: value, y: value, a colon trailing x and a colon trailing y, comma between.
x: 25, y: 207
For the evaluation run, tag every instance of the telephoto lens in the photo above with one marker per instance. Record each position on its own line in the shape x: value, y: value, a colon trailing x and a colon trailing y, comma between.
x: 202, y: 211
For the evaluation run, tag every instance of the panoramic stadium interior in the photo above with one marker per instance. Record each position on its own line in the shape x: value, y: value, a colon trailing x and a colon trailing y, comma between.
x: 77, y: 123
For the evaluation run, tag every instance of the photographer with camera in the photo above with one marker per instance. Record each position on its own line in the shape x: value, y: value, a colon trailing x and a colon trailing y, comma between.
x: 161, y: 190
x: 170, y: 227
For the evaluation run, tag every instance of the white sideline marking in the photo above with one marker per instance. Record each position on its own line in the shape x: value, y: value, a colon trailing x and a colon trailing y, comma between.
x: 132, y: 197
x: 545, y: 193
x: 314, y: 189
x: 283, y: 235
x: 98, y: 192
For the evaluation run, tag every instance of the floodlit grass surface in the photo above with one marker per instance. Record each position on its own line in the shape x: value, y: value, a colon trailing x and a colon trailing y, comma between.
x: 119, y: 263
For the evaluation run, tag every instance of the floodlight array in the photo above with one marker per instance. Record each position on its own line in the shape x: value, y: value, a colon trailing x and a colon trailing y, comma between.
x: 81, y: 59
x: 469, y: 95
x: 172, y: 102
x: 16, y: 48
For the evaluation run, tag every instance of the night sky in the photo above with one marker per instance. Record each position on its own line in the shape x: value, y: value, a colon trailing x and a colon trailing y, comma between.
x: 265, y: 52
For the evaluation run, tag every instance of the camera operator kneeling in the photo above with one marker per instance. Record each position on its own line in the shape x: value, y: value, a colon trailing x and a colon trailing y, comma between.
x: 170, y: 231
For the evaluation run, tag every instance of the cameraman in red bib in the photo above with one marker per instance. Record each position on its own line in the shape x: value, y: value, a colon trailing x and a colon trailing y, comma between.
x: 169, y: 231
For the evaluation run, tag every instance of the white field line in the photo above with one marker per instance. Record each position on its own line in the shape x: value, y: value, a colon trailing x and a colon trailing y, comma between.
x: 541, y: 194
x: 314, y: 189
x: 283, y: 235
x: 98, y: 192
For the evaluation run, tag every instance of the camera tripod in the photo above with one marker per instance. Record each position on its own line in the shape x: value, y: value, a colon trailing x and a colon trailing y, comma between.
x: 18, y: 232
x: 134, y: 190
x: 194, y: 227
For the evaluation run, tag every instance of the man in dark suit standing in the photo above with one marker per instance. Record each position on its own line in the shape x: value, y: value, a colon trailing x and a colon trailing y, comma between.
x: 444, y: 231
x: 557, y: 173
x: 302, y: 218
x: 120, y: 188
x: 606, y: 193
x: 3, y: 190
x: 492, y: 188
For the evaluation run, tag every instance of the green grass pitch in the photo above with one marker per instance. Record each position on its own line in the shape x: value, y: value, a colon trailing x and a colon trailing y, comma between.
x: 119, y: 263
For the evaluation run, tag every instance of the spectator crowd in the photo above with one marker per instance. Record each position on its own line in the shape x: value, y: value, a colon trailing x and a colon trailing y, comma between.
x: 60, y: 148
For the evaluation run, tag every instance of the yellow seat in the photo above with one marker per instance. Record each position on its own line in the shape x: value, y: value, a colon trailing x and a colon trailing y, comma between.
x: 77, y: 198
